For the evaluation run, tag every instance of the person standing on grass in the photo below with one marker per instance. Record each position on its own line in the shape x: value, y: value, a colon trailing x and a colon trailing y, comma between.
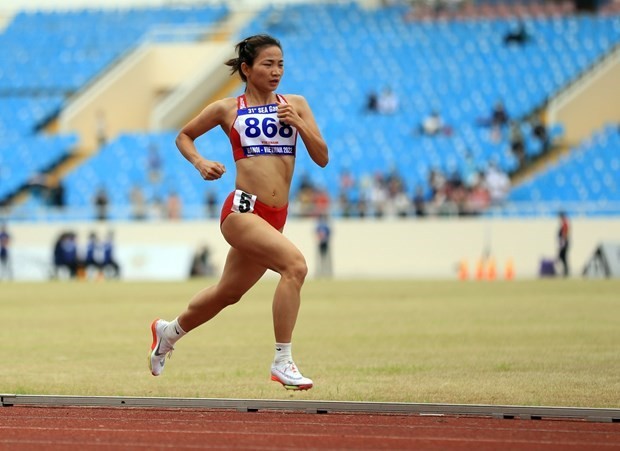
x: 110, y: 265
x: 263, y: 127
x: 563, y: 241
x: 323, y: 236
x: 6, y: 270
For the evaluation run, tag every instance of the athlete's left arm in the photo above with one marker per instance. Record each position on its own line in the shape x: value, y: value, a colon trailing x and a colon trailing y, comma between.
x: 297, y: 113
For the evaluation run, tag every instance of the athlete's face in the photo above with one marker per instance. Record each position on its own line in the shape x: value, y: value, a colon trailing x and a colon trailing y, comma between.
x: 267, y: 70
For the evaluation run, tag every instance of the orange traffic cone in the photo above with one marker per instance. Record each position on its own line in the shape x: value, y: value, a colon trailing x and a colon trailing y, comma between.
x: 491, y: 272
x: 509, y: 273
x: 463, y: 270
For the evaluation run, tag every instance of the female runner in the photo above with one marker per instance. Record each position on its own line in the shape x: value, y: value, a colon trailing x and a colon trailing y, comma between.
x: 263, y: 127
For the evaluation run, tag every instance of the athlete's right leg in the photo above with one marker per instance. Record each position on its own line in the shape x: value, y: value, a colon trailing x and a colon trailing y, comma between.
x: 260, y: 241
x: 239, y: 275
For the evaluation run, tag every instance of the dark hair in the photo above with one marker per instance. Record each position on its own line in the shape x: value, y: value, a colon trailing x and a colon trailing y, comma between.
x: 248, y: 49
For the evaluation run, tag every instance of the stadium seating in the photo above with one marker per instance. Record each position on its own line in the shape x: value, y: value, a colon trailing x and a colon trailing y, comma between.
x: 44, y: 57
x: 339, y: 53
x: 587, y: 175
x: 335, y: 55
x: 60, y: 52
x: 23, y: 153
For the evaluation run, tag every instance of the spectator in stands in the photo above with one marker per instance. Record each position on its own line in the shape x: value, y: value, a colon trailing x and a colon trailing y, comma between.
x: 456, y: 192
x: 372, y: 102
x: 138, y: 203
x: 56, y: 193
x: 212, y: 204
x: 419, y: 202
x: 540, y: 133
x: 346, y: 204
x: 321, y: 202
x: 398, y: 201
x: 154, y: 164
x: 437, y: 182
x: 563, y: 242
x: 401, y: 203
x: 497, y: 121
x: 518, y: 35
x: 497, y: 183
x: 6, y: 269
x: 101, y: 202
x: 517, y: 142
x: 388, y: 102
x: 478, y: 199
x: 346, y: 181
x: 499, y: 115
x: 305, y: 196
x: 438, y: 188
x: 362, y: 205
x: 378, y: 195
x: 470, y: 174
x: 433, y: 125
x: 38, y: 186
x: 346, y: 185
x: 157, y: 208
x: 174, y: 206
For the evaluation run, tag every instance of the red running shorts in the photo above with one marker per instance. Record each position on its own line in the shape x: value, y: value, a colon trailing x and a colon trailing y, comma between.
x: 241, y: 202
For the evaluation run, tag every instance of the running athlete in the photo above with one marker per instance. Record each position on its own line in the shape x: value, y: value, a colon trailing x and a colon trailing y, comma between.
x: 263, y: 127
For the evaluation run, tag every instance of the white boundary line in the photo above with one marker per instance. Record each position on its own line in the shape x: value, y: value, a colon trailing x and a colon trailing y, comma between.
x: 252, y: 405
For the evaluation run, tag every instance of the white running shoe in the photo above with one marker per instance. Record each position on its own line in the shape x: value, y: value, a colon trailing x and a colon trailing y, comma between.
x: 159, y: 348
x: 289, y: 376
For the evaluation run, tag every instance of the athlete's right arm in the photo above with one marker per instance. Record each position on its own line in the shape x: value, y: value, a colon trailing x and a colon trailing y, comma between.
x: 209, y: 118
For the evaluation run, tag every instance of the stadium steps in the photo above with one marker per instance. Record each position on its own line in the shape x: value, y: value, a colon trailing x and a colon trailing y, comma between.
x: 563, y: 147
x: 541, y: 163
x: 225, y: 31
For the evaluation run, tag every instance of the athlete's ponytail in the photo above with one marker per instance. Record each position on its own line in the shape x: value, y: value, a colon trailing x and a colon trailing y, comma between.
x: 247, y: 50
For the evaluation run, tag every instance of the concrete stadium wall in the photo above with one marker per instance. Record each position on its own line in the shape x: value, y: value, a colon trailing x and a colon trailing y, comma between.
x: 384, y: 248
x: 591, y: 103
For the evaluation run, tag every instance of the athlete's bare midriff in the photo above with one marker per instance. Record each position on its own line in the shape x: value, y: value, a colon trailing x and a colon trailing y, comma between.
x: 266, y: 176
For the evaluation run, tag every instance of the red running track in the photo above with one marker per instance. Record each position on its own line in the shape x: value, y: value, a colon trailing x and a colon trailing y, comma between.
x: 100, y: 428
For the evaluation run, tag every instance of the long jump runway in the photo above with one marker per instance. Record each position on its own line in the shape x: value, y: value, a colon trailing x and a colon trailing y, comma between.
x: 71, y: 422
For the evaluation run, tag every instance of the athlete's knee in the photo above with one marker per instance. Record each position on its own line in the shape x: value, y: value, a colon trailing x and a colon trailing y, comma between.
x: 296, y: 269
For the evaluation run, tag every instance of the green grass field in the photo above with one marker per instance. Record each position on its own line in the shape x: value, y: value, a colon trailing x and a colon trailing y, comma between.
x: 538, y: 342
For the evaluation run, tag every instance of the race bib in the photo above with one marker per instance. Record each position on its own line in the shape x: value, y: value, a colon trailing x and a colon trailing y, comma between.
x: 262, y: 133
x: 243, y: 202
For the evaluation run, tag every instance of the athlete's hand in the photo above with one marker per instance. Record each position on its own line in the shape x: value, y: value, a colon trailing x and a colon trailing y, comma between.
x: 288, y: 115
x: 210, y: 170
